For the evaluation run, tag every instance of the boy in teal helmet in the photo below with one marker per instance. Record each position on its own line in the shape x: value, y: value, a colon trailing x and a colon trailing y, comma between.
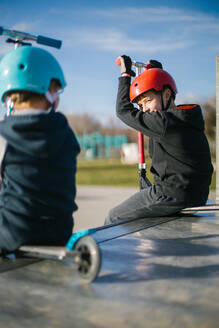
x: 37, y: 196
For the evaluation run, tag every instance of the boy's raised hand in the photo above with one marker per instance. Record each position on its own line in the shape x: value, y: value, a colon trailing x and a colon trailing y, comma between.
x: 126, y: 65
x: 154, y: 64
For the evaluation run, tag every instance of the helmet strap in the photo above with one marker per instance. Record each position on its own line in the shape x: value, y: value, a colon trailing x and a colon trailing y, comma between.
x: 164, y: 108
x: 162, y: 102
x: 51, y: 97
x: 9, y: 105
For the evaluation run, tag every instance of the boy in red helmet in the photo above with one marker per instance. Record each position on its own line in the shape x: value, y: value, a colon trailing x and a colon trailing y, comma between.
x: 181, y: 161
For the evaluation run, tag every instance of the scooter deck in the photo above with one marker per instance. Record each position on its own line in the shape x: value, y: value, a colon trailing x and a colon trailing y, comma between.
x: 205, y: 208
x: 48, y: 252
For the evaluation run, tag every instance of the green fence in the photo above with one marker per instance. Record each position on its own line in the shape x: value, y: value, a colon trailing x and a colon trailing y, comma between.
x: 97, y: 145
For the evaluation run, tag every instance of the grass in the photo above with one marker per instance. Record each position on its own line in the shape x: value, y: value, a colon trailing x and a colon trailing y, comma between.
x: 213, y: 182
x: 112, y: 173
x: 107, y: 173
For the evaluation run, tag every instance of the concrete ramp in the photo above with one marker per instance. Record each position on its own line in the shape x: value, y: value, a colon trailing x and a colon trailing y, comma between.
x: 161, y: 272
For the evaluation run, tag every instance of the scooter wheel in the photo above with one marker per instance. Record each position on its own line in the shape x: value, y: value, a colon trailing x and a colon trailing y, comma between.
x: 89, y: 258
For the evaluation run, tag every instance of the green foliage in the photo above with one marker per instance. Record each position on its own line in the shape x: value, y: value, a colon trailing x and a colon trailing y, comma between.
x: 210, y: 118
x: 213, y: 182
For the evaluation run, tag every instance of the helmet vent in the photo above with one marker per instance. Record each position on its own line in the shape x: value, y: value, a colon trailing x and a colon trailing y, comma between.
x: 21, y: 66
x: 136, y: 84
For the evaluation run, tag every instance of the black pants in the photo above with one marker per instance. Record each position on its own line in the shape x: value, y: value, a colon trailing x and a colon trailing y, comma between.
x: 149, y: 202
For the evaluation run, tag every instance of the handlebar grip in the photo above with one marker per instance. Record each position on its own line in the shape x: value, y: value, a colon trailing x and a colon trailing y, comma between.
x: 49, y: 42
x: 1, y: 30
x: 118, y: 61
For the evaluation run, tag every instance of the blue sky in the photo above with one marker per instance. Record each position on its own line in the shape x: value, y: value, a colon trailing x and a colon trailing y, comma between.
x: 183, y: 35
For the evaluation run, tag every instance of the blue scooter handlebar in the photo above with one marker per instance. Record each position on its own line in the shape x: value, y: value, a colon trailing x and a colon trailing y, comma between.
x: 23, y: 36
x: 49, y: 42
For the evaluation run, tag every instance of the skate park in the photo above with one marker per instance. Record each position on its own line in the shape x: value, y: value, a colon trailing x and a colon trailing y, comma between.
x: 155, y: 272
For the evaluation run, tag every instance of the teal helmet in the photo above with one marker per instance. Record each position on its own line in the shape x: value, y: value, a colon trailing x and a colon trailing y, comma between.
x: 29, y: 68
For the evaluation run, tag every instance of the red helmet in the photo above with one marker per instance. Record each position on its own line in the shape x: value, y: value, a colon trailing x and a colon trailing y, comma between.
x: 153, y: 78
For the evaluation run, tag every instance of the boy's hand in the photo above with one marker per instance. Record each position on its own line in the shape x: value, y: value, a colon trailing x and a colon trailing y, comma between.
x: 126, y: 65
x: 154, y: 64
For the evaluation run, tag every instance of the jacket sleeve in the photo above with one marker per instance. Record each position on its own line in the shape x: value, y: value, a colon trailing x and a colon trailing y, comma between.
x: 151, y: 124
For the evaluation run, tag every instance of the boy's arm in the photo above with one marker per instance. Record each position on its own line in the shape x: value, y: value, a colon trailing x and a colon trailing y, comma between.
x: 151, y: 124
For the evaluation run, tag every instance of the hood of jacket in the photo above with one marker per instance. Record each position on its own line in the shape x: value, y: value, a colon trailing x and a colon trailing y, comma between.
x: 190, y: 114
x: 40, y: 135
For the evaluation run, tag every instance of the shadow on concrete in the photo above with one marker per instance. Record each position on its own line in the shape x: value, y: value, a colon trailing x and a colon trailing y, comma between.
x: 161, y: 272
x: 154, y: 259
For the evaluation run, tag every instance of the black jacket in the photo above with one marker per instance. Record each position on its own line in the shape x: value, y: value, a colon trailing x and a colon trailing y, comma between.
x: 181, y: 161
x: 37, y: 196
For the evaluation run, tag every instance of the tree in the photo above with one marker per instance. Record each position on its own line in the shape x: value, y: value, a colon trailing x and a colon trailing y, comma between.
x: 83, y: 123
x: 210, y: 118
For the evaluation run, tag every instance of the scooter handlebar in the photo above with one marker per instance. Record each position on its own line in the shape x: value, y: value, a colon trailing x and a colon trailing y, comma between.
x: 49, y: 42
x: 23, y: 36
x: 134, y: 63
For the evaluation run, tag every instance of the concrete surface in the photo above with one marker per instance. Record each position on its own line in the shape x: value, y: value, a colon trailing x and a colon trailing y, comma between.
x: 94, y: 202
x: 159, y: 277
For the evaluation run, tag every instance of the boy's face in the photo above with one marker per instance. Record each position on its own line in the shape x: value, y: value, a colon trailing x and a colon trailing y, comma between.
x: 152, y: 101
